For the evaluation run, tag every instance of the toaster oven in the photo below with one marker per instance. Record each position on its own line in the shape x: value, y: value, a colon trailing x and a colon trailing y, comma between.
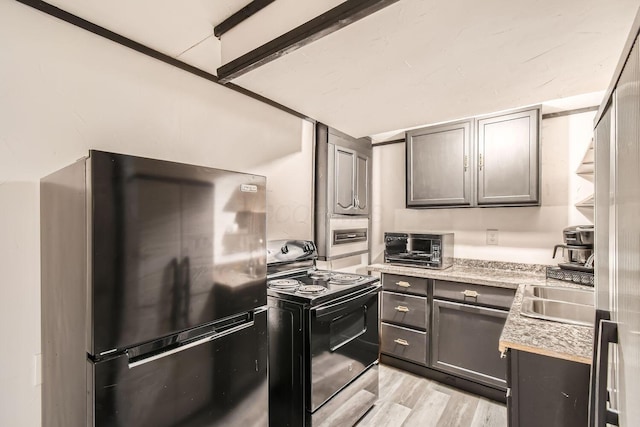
x: 429, y: 250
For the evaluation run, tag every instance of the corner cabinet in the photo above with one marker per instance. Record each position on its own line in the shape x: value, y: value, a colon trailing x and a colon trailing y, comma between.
x: 481, y: 162
x: 351, y: 182
x: 559, y: 397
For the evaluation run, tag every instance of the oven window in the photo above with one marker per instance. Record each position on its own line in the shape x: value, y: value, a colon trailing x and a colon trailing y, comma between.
x: 347, y: 328
x: 421, y: 245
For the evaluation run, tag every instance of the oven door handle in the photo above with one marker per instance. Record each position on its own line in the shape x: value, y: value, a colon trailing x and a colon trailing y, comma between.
x: 345, y: 304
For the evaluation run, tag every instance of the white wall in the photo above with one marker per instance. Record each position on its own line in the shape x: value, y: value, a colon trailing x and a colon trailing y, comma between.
x: 526, y: 234
x: 64, y: 91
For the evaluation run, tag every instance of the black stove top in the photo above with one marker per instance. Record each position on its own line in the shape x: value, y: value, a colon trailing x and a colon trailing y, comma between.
x: 316, y: 286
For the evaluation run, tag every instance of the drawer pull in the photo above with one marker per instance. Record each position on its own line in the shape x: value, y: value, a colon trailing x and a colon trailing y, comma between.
x: 470, y: 294
x: 403, y: 284
x: 401, y: 341
x: 402, y: 309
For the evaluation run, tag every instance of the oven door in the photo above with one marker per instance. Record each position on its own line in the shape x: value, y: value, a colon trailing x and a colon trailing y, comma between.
x: 343, y: 343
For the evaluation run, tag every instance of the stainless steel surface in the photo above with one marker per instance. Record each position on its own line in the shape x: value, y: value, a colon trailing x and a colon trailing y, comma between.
x: 624, y: 231
x: 222, y: 382
x: 574, y: 254
x: 130, y: 260
x: 174, y: 246
x: 201, y: 341
x: 349, y: 246
x: 572, y: 295
x: 437, y: 159
x: 558, y: 311
x: 579, y: 235
x: 508, y: 148
x: 459, y: 327
x: 341, y: 237
x: 428, y: 250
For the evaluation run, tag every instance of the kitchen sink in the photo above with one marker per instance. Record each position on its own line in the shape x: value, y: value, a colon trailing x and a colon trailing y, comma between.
x: 572, y: 295
x: 558, y: 311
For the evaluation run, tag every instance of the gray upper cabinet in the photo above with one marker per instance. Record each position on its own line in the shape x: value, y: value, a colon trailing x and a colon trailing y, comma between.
x: 507, y: 159
x: 351, y: 181
x: 345, y: 195
x: 362, y: 183
x: 438, y: 160
x: 489, y: 161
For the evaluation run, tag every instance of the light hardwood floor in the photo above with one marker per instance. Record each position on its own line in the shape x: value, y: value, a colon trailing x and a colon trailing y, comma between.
x: 409, y: 400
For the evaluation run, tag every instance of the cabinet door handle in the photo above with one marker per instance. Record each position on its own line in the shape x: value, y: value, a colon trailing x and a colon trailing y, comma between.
x: 401, y: 341
x: 402, y: 309
x: 403, y: 284
x: 466, y: 163
x: 470, y: 293
x: 481, y: 163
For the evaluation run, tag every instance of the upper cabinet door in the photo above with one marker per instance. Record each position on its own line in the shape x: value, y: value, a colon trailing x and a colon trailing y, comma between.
x: 438, y: 165
x: 345, y: 195
x: 362, y: 184
x: 507, y: 160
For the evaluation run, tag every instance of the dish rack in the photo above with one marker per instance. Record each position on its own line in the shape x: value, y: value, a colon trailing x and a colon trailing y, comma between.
x: 580, y: 277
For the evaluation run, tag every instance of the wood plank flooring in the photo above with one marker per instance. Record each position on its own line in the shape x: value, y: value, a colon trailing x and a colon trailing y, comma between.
x: 408, y: 400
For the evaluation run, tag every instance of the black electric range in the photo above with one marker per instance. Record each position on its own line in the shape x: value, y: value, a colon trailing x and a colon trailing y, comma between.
x: 315, y: 287
x: 323, y: 339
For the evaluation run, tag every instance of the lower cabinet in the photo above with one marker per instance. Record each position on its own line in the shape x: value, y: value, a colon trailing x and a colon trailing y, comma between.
x: 559, y: 398
x: 465, y: 342
x: 449, y: 332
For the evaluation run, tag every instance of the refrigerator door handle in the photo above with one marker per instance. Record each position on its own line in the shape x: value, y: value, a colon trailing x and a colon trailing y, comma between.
x: 608, y: 334
x: 213, y: 336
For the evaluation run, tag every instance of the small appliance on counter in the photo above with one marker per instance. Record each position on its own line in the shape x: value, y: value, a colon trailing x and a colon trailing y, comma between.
x: 578, y: 255
x: 323, y: 339
x: 429, y: 250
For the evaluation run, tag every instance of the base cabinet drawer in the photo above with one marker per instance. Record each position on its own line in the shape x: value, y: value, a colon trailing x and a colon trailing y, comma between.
x: 404, y: 343
x: 404, y: 284
x: 474, y: 294
x: 402, y: 309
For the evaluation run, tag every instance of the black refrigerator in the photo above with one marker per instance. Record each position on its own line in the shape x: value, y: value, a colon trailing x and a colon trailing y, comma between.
x: 153, y: 295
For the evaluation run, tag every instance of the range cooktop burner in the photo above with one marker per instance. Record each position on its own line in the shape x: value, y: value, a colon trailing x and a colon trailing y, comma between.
x: 285, y: 284
x: 345, y: 278
x: 311, y: 289
x: 319, y: 274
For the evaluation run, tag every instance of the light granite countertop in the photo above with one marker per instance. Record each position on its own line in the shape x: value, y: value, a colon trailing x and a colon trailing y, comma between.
x: 497, y: 277
x: 555, y: 339
x: 559, y: 340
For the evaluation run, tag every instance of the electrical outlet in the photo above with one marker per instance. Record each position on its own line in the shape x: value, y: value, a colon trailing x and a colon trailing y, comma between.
x: 492, y: 236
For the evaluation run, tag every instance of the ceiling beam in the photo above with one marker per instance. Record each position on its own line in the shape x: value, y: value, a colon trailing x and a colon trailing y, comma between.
x: 89, y: 26
x: 246, y: 12
x: 340, y: 16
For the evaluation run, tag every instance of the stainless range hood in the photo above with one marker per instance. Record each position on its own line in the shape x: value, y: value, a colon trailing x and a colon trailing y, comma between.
x: 342, y: 194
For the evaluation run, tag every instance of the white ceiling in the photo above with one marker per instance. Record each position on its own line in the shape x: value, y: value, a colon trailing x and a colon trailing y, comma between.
x: 415, y: 62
